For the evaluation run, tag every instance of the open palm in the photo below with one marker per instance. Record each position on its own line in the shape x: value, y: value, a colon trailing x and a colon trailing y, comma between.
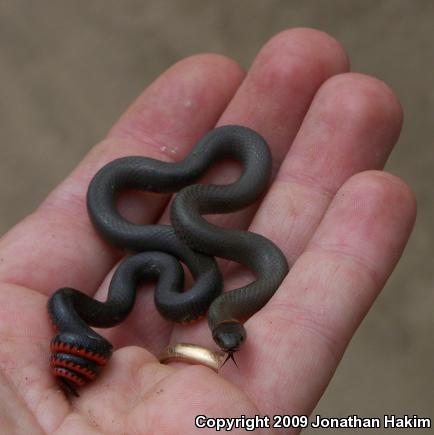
x: 341, y: 222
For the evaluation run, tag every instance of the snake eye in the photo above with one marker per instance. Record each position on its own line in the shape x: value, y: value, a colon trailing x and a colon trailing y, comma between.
x: 229, y: 335
x: 75, y: 362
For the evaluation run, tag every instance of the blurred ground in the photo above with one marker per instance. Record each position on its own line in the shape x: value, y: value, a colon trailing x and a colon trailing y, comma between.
x: 68, y: 69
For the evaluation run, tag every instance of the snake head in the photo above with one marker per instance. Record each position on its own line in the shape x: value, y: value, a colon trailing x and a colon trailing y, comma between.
x: 77, y: 359
x: 229, y: 336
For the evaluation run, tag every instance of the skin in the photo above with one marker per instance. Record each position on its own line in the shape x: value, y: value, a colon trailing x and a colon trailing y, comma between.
x: 341, y: 221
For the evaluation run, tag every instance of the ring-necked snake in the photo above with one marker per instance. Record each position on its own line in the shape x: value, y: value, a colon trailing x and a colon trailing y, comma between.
x: 78, y: 352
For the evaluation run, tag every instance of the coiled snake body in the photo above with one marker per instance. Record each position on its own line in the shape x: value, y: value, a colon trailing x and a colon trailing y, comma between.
x: 78, y: 352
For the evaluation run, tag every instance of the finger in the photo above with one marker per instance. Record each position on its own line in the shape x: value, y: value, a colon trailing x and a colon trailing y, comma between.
x: 281, y: 83
x: 275, y: 96
x: 351, y: 126
x: 144, y: 390
x: 297, y: 340
x: 56, y: 245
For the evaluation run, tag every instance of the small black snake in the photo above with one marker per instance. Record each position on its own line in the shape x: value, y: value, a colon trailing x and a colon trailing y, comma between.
x: 78, y: 352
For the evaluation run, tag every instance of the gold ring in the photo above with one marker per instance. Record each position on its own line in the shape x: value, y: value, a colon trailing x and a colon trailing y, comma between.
x: 193, y: 354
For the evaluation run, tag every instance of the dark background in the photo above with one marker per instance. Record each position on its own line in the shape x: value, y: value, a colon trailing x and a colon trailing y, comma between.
x: 68, y: 69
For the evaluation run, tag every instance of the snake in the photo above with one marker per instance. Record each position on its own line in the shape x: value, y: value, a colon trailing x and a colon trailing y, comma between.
x: 78, y: 353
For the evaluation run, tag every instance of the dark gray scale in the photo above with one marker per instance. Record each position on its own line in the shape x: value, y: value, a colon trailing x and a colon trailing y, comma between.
x: 192, y: 240
x: 252, y: 250
x: 78, y: 352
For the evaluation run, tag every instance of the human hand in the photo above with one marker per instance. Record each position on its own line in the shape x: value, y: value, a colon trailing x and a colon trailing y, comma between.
x: 341, y: 223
